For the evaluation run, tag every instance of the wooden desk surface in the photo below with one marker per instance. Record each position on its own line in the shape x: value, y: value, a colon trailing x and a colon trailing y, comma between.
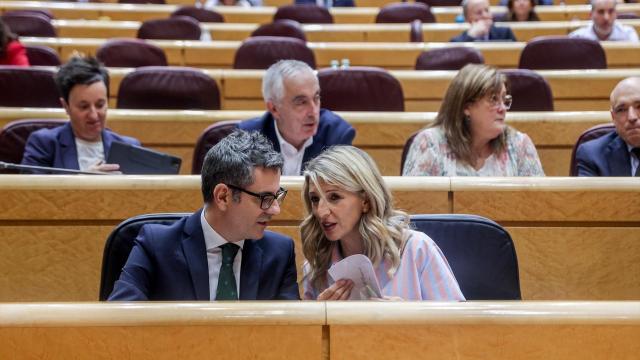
x: 364, y: 13
x: 575, y: 238
x: 322, y: 330
x: 523, y: 31
x: 395, y: 55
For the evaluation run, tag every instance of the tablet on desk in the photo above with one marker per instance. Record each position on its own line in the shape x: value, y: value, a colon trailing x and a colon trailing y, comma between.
x: 136, y: 160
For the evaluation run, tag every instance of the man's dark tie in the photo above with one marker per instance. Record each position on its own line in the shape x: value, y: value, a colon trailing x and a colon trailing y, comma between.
x: 636, y: 151
x: 226, y: 280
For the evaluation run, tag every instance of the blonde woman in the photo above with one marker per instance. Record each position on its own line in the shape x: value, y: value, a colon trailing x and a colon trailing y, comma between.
x: 349, y: 210
x: 469, y: 136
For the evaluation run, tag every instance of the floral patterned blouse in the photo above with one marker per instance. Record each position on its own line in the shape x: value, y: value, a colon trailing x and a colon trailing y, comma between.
x: 430, y: 155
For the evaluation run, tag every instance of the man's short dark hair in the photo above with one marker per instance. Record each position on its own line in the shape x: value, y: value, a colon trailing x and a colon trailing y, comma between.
x: 80, y: 70
x: 233, y: 159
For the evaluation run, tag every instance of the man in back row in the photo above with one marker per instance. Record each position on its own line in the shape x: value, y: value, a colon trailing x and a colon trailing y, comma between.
x: 478, y: 14
x: 604, y: 26
x: 294, y: 122
x: 618, y: 153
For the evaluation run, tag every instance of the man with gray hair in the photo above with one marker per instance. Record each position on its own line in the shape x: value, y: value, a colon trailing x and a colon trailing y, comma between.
x: 294, y: 122
x: 221, y: 252
x: 604, y: 26
x: 478, y: 14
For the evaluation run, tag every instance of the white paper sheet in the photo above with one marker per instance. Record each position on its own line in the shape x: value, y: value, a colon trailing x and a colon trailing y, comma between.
x: 359, y: 269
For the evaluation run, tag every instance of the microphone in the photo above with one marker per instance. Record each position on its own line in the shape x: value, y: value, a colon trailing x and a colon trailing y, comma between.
x: 45, y: 169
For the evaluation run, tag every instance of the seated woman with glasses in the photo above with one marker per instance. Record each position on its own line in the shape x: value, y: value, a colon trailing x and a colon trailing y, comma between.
x: 349, y: 210
x: 469, y: 136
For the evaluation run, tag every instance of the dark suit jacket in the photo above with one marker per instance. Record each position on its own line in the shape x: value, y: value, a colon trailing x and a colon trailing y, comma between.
x: 605, y: 156
x: 336, y: 3
x: 57, y: 147
x: 332, y: 130
x: 169, y: 262
x: 495, y: 34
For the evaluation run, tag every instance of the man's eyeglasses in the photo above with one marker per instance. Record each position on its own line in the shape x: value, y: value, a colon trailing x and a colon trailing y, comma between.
x: 495, y: 101
x: 266, y: 198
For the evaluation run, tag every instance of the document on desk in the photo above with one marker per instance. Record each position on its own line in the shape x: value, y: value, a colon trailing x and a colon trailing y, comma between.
x: 359, y: 269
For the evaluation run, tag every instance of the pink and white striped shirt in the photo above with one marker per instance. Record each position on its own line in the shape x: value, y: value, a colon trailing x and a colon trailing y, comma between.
x: 423, y: 274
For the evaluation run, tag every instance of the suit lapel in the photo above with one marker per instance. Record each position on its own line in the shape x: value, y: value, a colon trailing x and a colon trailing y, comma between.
x: 618, y: 158
x: 106, y: 143
x: 250, y: 270
x: 269, y: 130
x: 195, y: 253
x: 68, y: 151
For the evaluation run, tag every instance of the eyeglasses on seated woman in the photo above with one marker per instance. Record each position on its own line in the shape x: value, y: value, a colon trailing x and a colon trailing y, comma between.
x: 469, y: 136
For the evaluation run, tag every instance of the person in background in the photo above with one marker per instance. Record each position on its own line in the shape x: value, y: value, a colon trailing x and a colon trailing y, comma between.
x: 618, y: 153
x: 294, y: 122
x: 604, y: 26
x: 469, y: 136
x: 327, y: 3
x: 222, y: 251
x: 12, y: 52
x: 478, y: 14
x: 520, y: 10
x: 84, y: 142
x: 349, y: 210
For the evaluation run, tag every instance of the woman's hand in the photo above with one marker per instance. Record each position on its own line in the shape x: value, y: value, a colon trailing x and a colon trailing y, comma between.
x: 340, y: 290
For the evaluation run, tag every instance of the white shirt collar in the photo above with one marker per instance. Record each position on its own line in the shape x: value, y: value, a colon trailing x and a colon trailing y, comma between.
x: 212, y: 239
x: 291, y: 155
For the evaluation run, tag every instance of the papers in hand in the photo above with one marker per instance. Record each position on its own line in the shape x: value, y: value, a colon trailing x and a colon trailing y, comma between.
x: 359, y: 269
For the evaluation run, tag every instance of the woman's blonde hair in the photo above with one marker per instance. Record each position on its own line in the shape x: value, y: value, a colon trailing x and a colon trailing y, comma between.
x: 472, y: 83
x: 381, y: 227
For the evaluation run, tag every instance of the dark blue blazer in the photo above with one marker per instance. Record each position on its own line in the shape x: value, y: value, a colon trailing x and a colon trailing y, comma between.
x: 336, y: 3
x: 605, y: 156
x: 169, y: 262
x: 56, y: 147
x: 495, y: 34
x: 332, y: 130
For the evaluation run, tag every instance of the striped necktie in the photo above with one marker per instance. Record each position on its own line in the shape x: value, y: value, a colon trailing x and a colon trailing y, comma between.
x: 227, y: 289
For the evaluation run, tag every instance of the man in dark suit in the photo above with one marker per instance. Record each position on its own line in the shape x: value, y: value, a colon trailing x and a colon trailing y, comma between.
x: 294, y: 123
x: 84, y: 142
x: 477, y: 13
x: 618, y: 153
x: 222, y: 251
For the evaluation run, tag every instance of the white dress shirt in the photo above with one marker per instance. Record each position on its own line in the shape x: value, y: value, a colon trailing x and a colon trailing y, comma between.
x: 620, y: 32
x: 292, y: 156
x: 89, y: 153
x: 213, y: 241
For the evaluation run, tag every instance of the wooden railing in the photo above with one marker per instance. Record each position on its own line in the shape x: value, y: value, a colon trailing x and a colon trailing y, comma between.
x: 576, y: 238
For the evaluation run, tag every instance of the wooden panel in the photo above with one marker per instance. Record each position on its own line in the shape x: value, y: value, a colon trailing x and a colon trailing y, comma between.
x: 229, y: 330
x: 467, y: 342
x: 529, y: 204
x: 51, y: 262
x: 484, y: 330
x: 604, y: 262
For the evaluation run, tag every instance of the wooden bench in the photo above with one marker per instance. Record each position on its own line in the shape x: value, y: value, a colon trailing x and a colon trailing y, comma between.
x: 381, y: 134
x: 523, y: 31
x: 400, y: 56
x: 360, y: 14
x: 576, y: 238
x: 322, y: 330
